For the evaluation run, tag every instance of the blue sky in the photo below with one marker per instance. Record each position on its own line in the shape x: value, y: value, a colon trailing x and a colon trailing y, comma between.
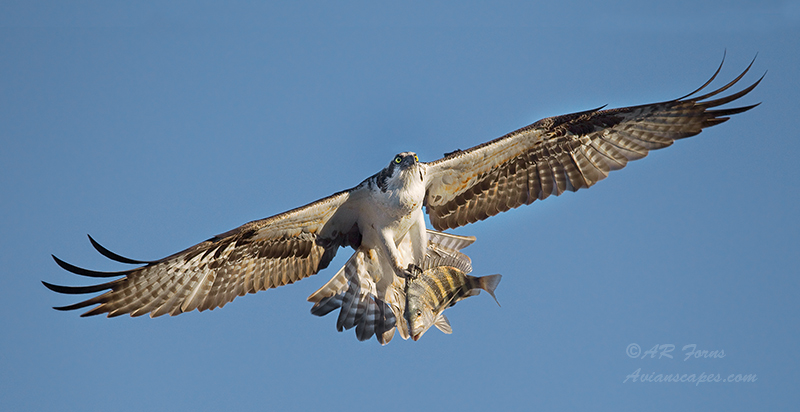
x: 153, y: 128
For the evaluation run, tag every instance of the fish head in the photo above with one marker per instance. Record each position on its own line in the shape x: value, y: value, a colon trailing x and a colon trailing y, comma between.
x: 420, y: 318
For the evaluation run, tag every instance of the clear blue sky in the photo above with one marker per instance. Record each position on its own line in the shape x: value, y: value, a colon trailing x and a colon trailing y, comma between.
x: 153, y: 128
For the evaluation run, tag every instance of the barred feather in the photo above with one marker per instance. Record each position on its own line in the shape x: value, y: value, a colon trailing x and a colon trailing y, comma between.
x: 564, y: 153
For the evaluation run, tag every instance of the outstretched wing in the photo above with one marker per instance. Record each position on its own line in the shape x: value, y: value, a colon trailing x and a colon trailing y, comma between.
x: 259, y: 255
x: 562, y: 153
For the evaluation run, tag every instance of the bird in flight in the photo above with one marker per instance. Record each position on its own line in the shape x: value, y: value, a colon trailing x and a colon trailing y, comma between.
x: 382, y: 218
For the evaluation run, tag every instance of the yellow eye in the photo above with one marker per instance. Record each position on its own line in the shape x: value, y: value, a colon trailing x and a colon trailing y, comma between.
x: 416, y: 159
x: 398, y: 159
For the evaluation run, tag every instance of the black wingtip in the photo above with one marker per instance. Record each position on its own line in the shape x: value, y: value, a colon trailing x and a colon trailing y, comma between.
x: 50, y: 286
x: 725, y: 87
x: 113, y: 256
x: 86, y: 272
x: 80, y: 290
x: 70, y: 307
x: 714, y: 76
x: 727, y: 99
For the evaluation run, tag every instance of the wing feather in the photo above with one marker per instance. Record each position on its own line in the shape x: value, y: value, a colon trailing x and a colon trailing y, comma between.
x: 564, y: 153
x: 259, y: 255
x: 559, y: 175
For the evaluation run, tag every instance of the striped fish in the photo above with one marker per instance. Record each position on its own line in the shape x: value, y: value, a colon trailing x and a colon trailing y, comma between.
x: 436, y: 289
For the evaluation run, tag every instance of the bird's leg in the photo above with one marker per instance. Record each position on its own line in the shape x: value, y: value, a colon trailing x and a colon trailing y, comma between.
x: 419, y: 243
x: 386, y: 239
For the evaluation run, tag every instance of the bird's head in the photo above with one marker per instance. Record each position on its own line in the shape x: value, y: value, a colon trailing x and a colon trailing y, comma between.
x: 404, y: 169
x: 404, y: 160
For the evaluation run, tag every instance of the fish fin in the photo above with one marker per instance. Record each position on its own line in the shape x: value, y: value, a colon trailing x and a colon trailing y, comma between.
x: 443, y: 324
x: 489, y: 283
x: 402, y: 326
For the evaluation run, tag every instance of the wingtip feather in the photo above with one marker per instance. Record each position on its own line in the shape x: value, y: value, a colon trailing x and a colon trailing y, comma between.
x: 113, y: 256
x: 86, y: 272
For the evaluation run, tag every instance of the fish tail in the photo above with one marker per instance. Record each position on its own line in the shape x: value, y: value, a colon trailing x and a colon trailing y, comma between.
x: 489, y: 283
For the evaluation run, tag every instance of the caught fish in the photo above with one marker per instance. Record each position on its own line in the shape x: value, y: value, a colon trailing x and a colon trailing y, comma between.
x: 436, y: 289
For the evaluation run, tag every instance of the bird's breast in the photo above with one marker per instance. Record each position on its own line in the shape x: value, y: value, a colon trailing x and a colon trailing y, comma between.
x: 405, y: 200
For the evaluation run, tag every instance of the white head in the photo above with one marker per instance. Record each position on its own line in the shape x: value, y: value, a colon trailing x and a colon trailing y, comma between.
x: 403, y: 168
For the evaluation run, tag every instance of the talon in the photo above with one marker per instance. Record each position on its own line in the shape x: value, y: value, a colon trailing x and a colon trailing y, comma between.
x: 413, y: 271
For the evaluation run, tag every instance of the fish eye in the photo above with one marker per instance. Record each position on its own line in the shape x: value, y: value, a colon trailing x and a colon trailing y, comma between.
x: 419, y: 312
x: 398, y: 159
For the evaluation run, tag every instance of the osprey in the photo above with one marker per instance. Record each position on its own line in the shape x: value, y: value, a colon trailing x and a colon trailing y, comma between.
x: 382, y: 217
